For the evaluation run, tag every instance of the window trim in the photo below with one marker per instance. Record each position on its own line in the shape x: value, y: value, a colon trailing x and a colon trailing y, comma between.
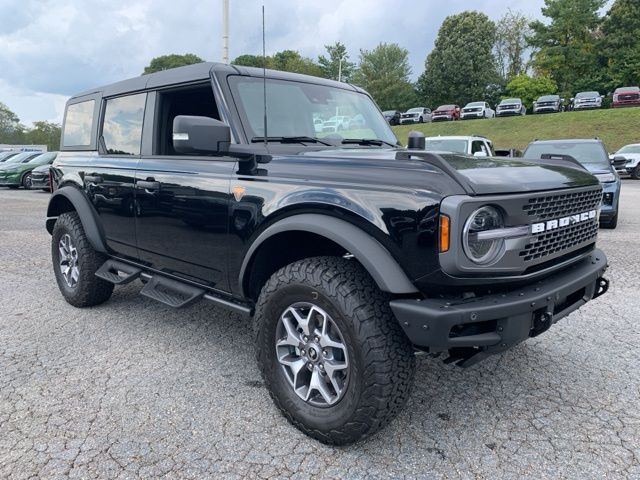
x: 92, y: 146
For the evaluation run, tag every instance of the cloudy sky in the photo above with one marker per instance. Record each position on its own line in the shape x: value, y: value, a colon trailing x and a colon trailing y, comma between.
x: 51, y: 49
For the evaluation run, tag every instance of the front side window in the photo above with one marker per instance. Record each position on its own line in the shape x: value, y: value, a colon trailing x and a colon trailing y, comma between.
x: 307, y: 109
x: 122, y: 127
x: 78, y: 124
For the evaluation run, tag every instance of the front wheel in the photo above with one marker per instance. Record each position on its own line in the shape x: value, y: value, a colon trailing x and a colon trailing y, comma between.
x: 635, y: 174
x: 333, y: 357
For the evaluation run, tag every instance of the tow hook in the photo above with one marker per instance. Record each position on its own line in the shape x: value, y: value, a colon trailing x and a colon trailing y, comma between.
x: 602, y: 285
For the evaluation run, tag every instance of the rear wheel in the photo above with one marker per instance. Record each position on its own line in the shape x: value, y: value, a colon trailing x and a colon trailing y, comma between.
x: 75, y: 263
x: 334, y: 359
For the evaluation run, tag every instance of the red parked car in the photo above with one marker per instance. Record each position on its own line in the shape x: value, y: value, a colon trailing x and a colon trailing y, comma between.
x: 626, y: 97
x: 446, y: 113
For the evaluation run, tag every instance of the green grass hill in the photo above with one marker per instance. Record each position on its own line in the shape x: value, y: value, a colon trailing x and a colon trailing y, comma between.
x: 615, y: 127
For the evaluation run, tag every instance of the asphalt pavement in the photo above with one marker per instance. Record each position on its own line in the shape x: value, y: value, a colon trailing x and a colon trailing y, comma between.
x: 134, y: 389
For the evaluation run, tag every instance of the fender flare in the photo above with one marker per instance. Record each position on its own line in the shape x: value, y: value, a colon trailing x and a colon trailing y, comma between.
x: 84, y: 209
x: 373, y: 256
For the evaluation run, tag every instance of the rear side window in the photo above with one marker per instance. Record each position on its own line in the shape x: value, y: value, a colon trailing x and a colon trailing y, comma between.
x: 122, y: 127
x: 78, y: 124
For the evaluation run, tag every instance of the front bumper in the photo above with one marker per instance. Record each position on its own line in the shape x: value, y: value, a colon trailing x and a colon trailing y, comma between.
x: 39, y: 181
x: 465, y: 116
x: 441, y: 118
x: 609, y: 206
x: 482, y: 326
x: 586, y: 106
x: 545, y: 110
x: 500, y: 113
x: 409, y: 120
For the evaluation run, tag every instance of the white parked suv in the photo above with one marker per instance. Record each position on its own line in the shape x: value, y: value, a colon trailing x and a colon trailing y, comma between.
x: 416, y: 115
x: 473, y: 145
x: 477, y: 110
x: 632, y: 154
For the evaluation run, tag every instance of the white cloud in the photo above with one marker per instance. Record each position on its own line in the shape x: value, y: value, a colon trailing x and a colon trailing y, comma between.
x: 53, y: 48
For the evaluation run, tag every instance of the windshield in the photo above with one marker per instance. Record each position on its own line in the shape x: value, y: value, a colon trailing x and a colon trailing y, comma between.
x: 45, y: 157
x: 414, y: 110
x: 446, y: 107
x: 292, y: 107
x: 389, y: 112
x: 476, y: 104
x: 591, y: 155
x: 587, y: 95
x: 549, y: 98
x: 454, y: 145
x: 630, y: 149
x: 21, y: 157
x: 509, y: 100
x: 4, y: 155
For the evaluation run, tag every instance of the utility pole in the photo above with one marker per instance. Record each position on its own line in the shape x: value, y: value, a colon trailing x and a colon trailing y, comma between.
x: 225, y: 31
x: 340, y: 70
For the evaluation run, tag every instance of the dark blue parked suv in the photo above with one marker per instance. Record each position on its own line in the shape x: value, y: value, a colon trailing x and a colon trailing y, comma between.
x: 592, y: 155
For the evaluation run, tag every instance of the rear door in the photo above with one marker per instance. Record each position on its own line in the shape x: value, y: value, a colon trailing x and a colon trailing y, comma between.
x: 109, y: 180
x: 183, y: 200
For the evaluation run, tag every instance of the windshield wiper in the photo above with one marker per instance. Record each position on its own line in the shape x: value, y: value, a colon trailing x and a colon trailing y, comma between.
x: 292, y: 139
x: 367, y: 141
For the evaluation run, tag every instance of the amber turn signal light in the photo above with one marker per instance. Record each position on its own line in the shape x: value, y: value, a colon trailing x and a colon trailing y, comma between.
x: 444, y: 233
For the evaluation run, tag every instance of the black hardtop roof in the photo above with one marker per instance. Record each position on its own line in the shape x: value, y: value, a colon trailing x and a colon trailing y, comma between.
x: 202, y: 71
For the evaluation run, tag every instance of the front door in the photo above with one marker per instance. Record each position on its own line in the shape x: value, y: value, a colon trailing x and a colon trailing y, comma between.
x: 182, y: 216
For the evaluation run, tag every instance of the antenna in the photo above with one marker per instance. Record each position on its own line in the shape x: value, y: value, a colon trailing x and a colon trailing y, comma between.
x: 264, y: 80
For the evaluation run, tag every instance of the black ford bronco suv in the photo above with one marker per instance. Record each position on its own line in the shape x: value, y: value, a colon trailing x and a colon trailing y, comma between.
x: 350, y: 252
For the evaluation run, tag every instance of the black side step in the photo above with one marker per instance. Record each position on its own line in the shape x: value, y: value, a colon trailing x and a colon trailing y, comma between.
x: 171, y: 292
x: 117, y: 272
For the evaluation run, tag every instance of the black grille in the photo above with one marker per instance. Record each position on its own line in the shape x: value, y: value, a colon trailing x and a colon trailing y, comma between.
x: 555, y: 241
x: 554, y: 206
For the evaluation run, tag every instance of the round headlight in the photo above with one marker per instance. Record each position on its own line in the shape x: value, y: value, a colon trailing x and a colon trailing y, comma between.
x: 481, y: 248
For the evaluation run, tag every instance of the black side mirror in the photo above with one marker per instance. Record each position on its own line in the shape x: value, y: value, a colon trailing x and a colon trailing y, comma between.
x: 618, y: 160
x: 200, y: 135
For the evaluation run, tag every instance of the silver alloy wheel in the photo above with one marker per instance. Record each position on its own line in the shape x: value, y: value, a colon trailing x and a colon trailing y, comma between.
x: 312, y: 354
x: 68, y: 260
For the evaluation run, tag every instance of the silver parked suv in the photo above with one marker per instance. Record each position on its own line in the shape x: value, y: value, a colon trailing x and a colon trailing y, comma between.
x: 510, y: 106
x: 584, y: 100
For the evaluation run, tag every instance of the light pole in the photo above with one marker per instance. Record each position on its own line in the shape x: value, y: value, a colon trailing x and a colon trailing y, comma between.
x: 225, y: 31
x: 340, y: 70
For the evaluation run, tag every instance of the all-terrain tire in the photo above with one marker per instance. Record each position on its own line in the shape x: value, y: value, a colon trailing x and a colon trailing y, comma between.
x: 89, y: 289
x: 381, y: 357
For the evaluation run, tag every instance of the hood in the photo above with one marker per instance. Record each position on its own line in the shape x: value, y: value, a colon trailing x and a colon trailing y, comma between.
x: 459, y: 173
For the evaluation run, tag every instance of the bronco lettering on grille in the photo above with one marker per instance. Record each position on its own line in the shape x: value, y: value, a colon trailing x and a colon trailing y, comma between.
x: 562, y: 222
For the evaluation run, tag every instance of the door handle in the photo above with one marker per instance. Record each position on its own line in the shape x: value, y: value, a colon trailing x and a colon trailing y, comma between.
x: 148, y: 185
x: 92, y: 179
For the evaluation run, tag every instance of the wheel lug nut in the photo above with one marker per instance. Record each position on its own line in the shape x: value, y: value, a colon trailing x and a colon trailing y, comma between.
x: 321, y: 367
x: 316, y: 339
x: 325, y: 353
x: 305, y: 338
x: 303, y: 353
x: 310, y: 366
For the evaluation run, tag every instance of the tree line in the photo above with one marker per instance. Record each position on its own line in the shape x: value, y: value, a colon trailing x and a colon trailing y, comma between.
x: 12, y: 131
x: 575, y: 49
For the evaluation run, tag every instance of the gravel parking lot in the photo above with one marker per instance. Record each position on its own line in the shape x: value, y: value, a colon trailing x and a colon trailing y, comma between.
x: 135, y: 389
